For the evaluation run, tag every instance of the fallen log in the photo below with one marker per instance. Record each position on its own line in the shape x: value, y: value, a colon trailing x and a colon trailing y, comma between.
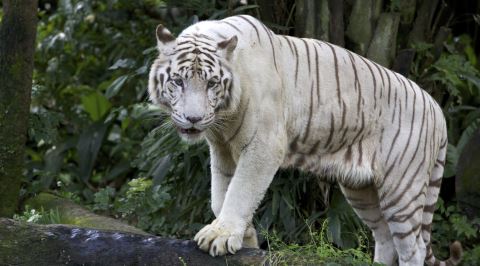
x: 32, y: 244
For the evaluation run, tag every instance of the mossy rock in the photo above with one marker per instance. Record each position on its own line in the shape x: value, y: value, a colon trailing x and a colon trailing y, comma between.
x: 32, y: 244
x: 74, y: 214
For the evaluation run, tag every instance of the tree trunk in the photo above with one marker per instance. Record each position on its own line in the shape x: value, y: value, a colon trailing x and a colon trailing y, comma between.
x: 32, y: 244
x: 336, y: 22
x: 363, y: 19
x: 17, y: 45
x: 421, y: 28
x: 382, y: 46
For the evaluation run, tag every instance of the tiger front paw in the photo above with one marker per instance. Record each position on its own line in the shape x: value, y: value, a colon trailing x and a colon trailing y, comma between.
x: 219, y: 239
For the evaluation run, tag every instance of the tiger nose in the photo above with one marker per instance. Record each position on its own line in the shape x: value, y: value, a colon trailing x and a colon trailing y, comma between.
x: 193, y: 119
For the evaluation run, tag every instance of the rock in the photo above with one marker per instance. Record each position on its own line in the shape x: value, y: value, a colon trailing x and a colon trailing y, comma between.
x: 467, y: 183
x: 74, y: 214
x: 31, y: 244
x: 382, y: 48
x: 362, y: 22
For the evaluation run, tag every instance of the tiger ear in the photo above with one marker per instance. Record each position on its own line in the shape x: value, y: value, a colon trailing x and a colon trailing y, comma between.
x: 165, y: 38
x: 228, y: 46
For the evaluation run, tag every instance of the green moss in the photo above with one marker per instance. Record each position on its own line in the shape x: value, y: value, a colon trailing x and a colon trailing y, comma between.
x: 73, y: 214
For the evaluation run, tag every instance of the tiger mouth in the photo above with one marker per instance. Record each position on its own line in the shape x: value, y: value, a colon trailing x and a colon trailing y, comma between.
x: 189, y: 131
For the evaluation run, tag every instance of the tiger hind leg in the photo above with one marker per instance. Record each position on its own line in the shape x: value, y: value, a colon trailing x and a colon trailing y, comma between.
x: 366, y: 205
x: 401, y: 204
x: 433, y: 190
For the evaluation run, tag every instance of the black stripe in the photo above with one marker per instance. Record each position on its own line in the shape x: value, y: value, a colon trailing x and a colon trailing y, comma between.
x: 181, y: 49
x: 209, y: 45
x: 411, y: 127
x: 201, y: 35
x: 317, y: 83
x: 162, y: 79
x: 405, y: 207
x: 313, y: 149
x: 406, y: 188
x: 232, y: 25
x: 155, y: 83
x: 186, y: 42
x: 183, y: 55
x: 308, y: 54
x: 389, y: 86
x: 332, y: 128
x: 405, y: 234
x: 271, y: 43
x: 398, y: 131
x: 348, y: 154
x: 394, y: 113
x: 344, y: 114
x: 403, y: 218
x: 219, y: 34
x: 357, y: 85
x: 379, y: 68
x: 310, y: 114
x: 253, y: 25
x: 288, y: 42
x: 387, y: 173
x: 429, y: 208
x: 293, y: 144
x: 362, y: 127
x: 360, y: 152
x: 208, y: 55
x: 296, y: 63
x: 374, y: 83
x: 335, y: 60
x: 250, y: 140
x: 372, y: 165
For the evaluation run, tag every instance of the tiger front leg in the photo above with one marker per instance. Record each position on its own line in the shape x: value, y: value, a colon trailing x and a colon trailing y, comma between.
x: 255, y: 170
x: 222, y: 169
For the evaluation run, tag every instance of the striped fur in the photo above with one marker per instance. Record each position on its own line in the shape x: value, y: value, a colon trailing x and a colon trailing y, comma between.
x: 285, y: 102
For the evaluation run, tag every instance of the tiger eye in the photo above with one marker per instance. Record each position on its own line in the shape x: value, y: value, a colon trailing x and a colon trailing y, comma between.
x: 178, y: 82
x: 211, y: 83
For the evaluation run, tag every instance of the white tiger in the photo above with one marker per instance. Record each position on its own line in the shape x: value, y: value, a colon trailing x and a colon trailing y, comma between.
x: 264, y: 101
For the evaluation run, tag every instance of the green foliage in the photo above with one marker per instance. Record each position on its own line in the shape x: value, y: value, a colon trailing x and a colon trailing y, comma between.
x: 318, y: 251
x: 450, y: 224
x: 41, y: 216
x: 454, y: 80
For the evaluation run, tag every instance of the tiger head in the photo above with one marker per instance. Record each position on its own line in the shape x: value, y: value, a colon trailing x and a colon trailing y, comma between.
x: 191, y: 80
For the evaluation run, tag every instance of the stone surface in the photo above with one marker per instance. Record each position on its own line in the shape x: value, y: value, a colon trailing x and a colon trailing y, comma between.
x: 32, y: 244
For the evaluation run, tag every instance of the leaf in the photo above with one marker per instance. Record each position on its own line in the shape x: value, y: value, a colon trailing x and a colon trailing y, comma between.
x: 242, y: 9
x: 96, y: 105
x: 88, y: 146
x: 115, y: 87
x: 123, y: 63
x: 452, y: 160
x: 467, y: 135
x: 116, y: 171
x: 160, y: 170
